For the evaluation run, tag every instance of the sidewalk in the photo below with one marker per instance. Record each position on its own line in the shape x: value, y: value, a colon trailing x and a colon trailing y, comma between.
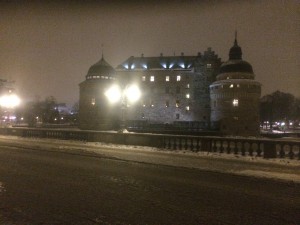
x: 279, y: 169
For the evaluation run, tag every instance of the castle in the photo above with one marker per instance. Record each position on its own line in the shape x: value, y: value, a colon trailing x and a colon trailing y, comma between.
x: 187, y: 92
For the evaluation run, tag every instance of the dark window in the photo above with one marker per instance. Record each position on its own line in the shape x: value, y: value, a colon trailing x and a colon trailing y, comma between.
x: 177, y: 90
x: 167, y: 90
x: 177, y: 116
x: 167, y: 103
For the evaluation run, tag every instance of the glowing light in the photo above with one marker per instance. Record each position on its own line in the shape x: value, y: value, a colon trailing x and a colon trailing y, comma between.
x: 181, y: 65
x: 283, y: 123
x: 145, y: 66
x: 126, y: 66
x: 133, y: 93
x: 9, y: 101
x: 132, y: 66
x: 113, y: 94
x: 187, y: 95
x: 171, y: 65
x: 164, y: 65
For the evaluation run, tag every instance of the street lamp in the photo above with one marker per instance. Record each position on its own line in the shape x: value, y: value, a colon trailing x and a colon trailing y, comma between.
x: 131, y: 93
x: 9, y: 102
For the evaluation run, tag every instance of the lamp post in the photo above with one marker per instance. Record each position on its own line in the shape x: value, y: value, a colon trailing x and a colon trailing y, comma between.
x: 130, y: 94
x: 9, y: 101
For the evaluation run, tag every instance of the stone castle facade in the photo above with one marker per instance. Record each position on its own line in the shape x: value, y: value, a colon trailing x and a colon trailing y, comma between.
x: 178, y: 91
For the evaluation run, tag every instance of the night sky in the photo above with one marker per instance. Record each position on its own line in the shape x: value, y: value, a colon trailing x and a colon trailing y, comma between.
x: 47, y: 48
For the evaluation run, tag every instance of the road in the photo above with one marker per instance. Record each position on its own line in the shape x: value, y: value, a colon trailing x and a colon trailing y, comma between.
x: 49, y: 187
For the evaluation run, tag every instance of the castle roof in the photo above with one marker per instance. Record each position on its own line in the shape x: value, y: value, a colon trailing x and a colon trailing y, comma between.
x: 101, y: 68
x: 161, y: 62
x: 235, y: 62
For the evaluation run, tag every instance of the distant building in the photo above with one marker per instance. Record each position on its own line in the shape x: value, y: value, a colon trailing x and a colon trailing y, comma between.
x: 235, y: 97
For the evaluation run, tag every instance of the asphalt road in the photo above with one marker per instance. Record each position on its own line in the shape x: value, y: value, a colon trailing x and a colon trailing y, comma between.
x: 49, y: 187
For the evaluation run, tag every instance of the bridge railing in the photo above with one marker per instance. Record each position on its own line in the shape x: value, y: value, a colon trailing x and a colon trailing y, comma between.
x: 256, y: 147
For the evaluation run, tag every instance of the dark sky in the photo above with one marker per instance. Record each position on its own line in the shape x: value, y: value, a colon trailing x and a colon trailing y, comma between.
x: 47, y: 48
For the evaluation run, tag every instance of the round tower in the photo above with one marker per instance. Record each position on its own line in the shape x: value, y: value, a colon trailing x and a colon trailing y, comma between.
x: 235, y: 97
x: 95, y: 112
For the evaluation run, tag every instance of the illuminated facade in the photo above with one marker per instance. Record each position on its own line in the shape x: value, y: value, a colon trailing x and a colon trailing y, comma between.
x: 235, y: 97
x: 175, y: 89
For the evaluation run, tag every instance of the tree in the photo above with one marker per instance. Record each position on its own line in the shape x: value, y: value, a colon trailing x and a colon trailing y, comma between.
x: 279, y: 106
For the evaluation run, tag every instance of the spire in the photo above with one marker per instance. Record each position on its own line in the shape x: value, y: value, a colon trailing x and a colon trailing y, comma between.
x: 235, y: 51
x: 235, y: 38
x: 102, y: 50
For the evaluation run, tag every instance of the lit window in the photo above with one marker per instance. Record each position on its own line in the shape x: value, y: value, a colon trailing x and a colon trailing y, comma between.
x: 152, y: 78
x: 188, y: 86
x: 178, y: 78
x: 93, y: 101
x: 231, y: 86
x: 238, y: 85
x: 208, y: 65
x: 187, y: 95
x: 235, y: 102
x: 187, y: 108
x: 143, y: 78
x: 177, y: 103
x: 167, y: 78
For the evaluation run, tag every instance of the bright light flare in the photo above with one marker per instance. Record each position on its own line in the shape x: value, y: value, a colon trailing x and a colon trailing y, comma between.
x: 9, y: 101
x: 133, y: 93
x: 113, y: 94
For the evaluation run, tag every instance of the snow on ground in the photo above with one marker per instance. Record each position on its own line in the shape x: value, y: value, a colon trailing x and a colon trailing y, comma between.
x: 281, y: 169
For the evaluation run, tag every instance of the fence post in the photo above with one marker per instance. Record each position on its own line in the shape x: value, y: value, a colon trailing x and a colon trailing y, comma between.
x: 269, y: 150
